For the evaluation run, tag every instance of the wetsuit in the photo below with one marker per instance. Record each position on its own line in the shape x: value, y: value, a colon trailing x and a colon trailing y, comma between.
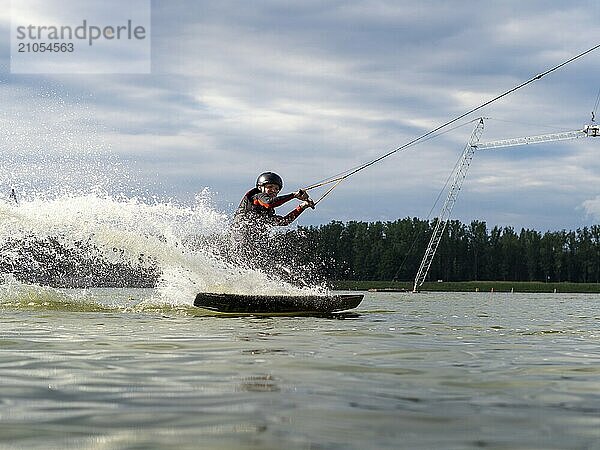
x: 258, y: 207
x: 254, y: 218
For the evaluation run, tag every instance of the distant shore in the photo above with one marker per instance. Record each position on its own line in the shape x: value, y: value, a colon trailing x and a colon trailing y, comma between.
x: 470, y: 286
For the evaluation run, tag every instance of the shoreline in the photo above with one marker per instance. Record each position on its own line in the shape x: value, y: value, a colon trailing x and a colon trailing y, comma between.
x: 470, y: 286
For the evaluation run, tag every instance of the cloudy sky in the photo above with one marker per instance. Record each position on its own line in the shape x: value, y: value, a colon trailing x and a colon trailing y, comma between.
x: 311, y: 88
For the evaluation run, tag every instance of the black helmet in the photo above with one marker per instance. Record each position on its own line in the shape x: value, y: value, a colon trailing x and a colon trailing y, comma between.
x: 269, y: 178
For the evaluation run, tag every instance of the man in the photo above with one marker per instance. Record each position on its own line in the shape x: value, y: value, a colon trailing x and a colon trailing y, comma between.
x: 256, y: 214
x: 257, y: 207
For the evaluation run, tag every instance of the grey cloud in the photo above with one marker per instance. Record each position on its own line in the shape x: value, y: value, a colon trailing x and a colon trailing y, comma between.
x: 312, y: 88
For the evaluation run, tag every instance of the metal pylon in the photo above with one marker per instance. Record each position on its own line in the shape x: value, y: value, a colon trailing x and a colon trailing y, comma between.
x: 460, y: 173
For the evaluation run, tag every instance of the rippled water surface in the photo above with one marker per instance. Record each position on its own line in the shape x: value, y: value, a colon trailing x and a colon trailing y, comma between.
x: 416, y: 371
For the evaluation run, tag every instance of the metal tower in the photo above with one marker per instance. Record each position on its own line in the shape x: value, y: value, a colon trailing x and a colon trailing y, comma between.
x: 460, y: 172
x: 457, y: 180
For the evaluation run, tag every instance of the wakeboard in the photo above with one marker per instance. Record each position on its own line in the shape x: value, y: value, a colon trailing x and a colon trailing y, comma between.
x: 277, y: 304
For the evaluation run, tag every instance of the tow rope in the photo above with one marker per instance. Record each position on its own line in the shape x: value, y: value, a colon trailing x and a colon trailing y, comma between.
x: 337, y: 179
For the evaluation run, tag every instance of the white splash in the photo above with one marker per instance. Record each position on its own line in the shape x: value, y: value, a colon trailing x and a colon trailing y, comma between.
x: 124, y: 228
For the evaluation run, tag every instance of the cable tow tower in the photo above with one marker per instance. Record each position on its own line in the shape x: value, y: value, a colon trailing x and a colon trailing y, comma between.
x: 592, y: 130
x: 460, y: 172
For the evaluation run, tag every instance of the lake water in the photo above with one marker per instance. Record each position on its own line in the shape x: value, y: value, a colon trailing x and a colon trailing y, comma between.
x: 105, y: 369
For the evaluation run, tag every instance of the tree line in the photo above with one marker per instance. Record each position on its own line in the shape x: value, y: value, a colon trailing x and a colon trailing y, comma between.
x: 393, y: 251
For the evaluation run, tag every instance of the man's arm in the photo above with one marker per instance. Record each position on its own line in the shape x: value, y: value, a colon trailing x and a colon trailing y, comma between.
x: 266, y: 201
x: 282, y: 221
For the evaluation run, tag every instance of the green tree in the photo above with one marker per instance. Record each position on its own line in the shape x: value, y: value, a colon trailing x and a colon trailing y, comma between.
x: 478, y: 245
